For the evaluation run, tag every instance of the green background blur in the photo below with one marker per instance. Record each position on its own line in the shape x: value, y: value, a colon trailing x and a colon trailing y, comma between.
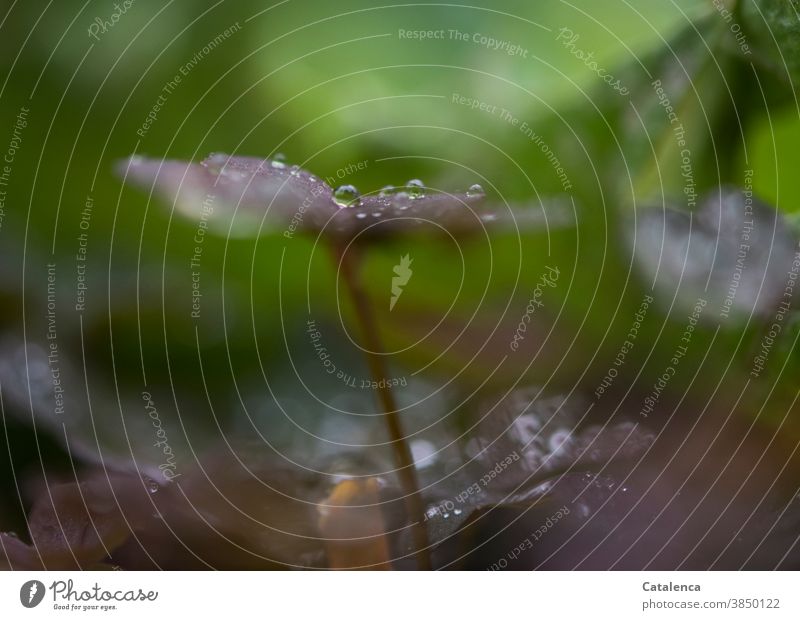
x: 327, y: 84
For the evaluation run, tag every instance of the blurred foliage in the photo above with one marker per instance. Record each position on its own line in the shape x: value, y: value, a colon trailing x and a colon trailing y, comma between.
x: 332, y: 84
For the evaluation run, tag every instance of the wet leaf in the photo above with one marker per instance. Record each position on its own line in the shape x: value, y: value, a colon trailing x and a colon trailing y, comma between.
x: 544, y: 435
x: 519, y: 446
x: 682, y: 501
x: 248, y: 196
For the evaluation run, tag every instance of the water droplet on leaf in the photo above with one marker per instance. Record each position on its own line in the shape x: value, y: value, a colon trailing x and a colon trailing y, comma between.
x: 216, y: 158
x: 401, y: 198
x: 233, y: 175
x: 214, y: 163
x: 475, y: 191
x: 416, y: 188
x: 347, y: 196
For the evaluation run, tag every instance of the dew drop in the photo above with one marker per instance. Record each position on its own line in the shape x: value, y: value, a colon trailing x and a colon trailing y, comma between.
x: 387, y: 190
x: 233, y: 175
x: 279, y: 157
x: 361, y: 215
x: 401, y: 198
x: 215, y: 162
x: 217, y: 159
x: 152, y: 485
x: 475, y: 191
x: 416, y: 188
x: 347, y: 196
x: 457, y: 511
x: 294, y: 170
x: 558, y: 440
x: 423, y: 452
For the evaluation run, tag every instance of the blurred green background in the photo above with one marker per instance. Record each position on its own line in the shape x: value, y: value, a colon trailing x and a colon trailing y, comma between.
x: 332, y: 84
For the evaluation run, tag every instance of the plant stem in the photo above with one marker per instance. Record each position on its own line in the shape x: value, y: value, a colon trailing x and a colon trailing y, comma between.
x: 377, y: 366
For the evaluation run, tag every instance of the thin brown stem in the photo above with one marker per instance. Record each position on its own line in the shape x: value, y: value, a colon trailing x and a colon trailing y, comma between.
x: 377, y: 367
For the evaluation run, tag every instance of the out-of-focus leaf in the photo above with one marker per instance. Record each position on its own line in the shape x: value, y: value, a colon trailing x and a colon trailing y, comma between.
x: 239, y: 506
x: 16, y: 555
x: 80, y: 524
x: 682, y: 501
x: 77, y: 525
x: 518, y: 445
x: 98, y: 429
x: 735, y: 253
